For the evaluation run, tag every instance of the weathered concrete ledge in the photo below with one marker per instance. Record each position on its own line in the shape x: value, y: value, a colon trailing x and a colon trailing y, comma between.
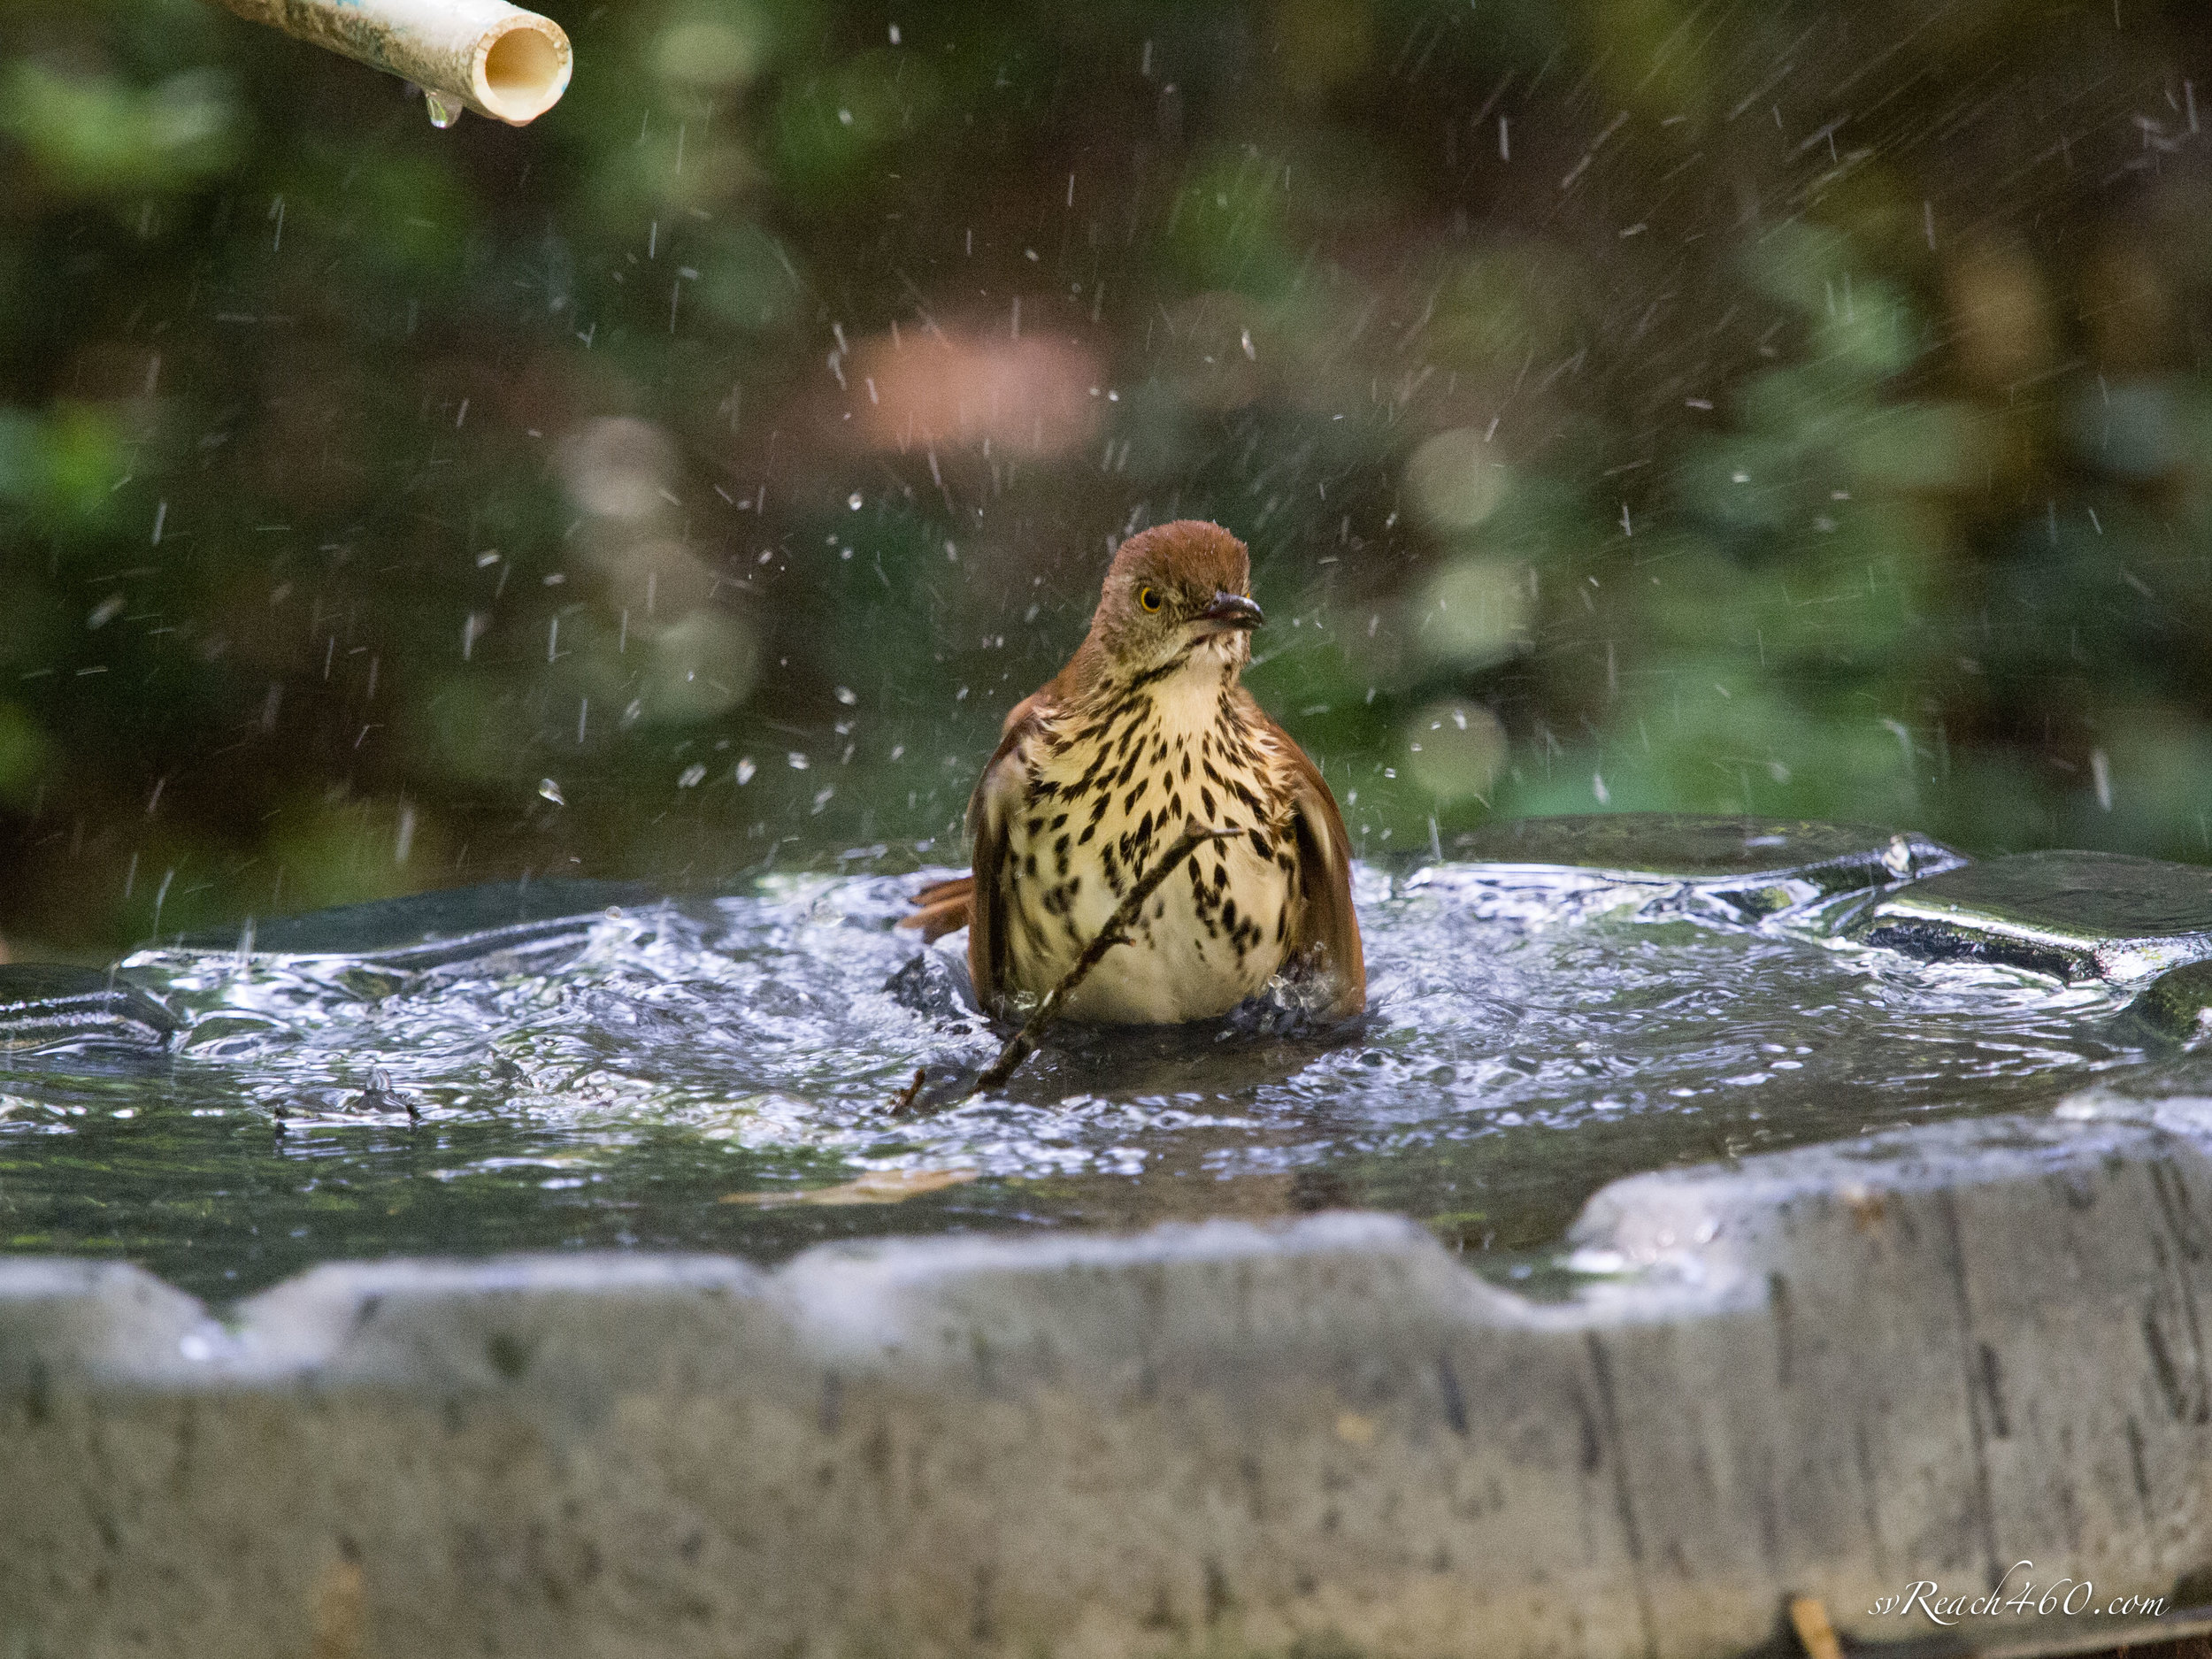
x: 1830, y: 1373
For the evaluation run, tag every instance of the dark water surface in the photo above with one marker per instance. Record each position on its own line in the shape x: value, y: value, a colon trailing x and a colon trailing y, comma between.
x: 646, y: 1073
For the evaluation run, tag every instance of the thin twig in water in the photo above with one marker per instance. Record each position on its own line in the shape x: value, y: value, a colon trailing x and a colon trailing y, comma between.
x: 1024, y: 1042
x: 912, y: 1092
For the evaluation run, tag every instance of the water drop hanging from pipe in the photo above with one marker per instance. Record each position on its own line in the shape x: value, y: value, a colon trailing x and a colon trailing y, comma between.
x: 482, y: 55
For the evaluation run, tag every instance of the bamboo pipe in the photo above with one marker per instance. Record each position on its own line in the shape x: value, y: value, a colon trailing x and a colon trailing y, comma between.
x: 483, y: 55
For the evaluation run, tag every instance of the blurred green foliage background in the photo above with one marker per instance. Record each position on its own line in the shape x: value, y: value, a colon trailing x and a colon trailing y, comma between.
x: 1713, y: 404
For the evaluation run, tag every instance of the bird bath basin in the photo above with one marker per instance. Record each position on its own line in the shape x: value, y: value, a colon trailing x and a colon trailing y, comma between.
x: 1680, y: 1030
x: 593, y: 1065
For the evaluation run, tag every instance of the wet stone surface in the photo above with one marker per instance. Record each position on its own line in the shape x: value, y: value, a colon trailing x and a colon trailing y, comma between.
x: 1735, y: 868
x: 465, y: 925
x: 2178, y: 1003
x: 43, y: 1006
x: 2068, y: 915
x: 565, y: 1065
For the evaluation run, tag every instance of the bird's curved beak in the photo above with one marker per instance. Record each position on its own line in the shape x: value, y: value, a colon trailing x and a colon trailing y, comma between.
x: 1232, y: 611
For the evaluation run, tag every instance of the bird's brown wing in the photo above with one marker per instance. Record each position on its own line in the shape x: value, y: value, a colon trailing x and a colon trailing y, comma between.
x: 947, y: 906
x: 974, y: 901
x: 1327, y: 932
x: 997, y: 796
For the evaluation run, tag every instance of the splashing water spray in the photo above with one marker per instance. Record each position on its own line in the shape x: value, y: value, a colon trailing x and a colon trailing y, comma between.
x: 481, y: 55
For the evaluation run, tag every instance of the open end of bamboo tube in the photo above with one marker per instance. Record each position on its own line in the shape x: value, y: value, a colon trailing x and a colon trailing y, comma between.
x: 521, y: 69
x: 485, y: 54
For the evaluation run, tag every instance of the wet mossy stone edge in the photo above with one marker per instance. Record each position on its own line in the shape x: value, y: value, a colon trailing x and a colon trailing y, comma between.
x: 452, y: 927
x: 1747, y: 868
x: 2178, y: 1003
x: 43, y: 1004
x: 2074, y: 916
x: 515, y: 924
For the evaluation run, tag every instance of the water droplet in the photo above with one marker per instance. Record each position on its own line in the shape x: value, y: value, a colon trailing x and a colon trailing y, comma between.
x: 442, y: 114
x: 854, y: 501
x: 551, y: 791
x: 745, y: 770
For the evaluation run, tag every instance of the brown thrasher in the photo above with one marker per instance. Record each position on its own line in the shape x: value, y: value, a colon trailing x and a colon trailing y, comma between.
x: 1144, y: 732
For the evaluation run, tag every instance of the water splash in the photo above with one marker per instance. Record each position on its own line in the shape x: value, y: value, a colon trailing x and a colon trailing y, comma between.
x: 645, y: 1072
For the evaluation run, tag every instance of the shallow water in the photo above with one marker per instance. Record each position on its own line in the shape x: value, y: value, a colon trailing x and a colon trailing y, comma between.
x: 648, y: 1076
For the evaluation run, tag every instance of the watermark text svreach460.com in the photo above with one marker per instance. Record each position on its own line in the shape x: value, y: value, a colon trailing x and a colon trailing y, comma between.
x: 2018, y: 1593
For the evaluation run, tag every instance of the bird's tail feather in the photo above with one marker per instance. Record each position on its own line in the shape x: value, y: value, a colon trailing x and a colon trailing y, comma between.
x: 942, y: 907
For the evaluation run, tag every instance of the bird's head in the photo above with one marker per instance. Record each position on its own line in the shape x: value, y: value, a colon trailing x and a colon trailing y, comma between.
x: 1177, y: 594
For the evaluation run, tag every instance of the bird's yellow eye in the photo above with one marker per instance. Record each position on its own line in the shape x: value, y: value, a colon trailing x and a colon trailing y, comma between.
x: 1148, y: 596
